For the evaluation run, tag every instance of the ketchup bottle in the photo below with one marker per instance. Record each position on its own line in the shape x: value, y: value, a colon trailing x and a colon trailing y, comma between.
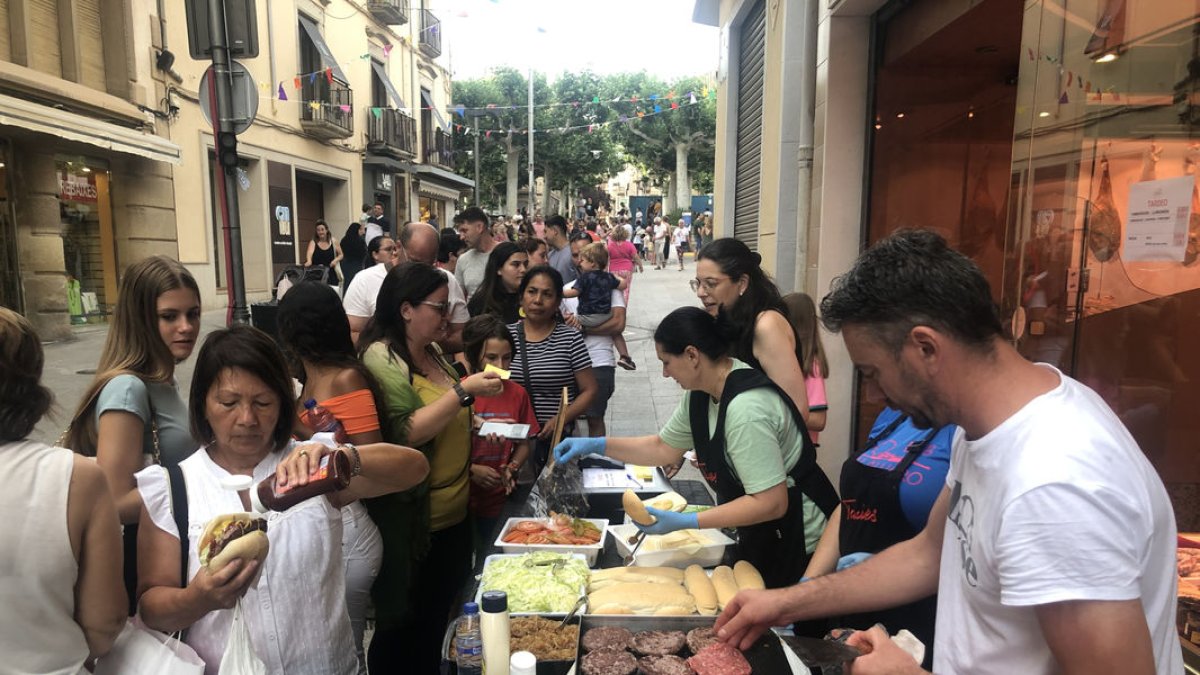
x: 332, y: 474
x: 320, y: 419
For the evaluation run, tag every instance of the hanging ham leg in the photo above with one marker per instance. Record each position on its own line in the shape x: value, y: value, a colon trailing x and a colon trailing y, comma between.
x: 1104, y: 226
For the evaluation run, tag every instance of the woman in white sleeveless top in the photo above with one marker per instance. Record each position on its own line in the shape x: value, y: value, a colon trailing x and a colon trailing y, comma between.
x: 294, y: 603
x: 61, y: 597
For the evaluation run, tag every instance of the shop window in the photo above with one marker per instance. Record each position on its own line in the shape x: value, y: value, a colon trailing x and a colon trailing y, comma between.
x: 89, y: 253
x: 1103, y: 280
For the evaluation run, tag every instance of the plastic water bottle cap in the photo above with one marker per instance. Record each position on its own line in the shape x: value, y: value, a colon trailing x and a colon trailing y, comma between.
x: 310, y: 403
x: 237, y: 483
x: 470, y: 608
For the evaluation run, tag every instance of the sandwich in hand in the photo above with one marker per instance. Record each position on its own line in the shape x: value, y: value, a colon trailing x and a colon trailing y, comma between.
x: 233, y: 536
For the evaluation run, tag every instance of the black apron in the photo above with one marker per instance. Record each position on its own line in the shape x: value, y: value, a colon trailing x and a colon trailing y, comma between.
x: 873, y: 520
x: 775, y: 547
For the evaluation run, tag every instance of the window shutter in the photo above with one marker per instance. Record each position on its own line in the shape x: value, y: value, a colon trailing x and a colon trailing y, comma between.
x: 751, y: 73
x: 5, y: 46
x: 45, y: 54
x: 90, y: 47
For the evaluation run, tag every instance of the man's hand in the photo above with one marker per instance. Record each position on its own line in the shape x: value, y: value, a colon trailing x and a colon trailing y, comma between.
x: 750, y: 613
x: 880, y: 656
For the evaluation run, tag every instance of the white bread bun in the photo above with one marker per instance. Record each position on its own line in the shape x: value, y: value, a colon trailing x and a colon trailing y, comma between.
x: 634, y: 574
x: 635, y: 509
x: 701, y: 588
x: 641, y: 598
x: 747, y: 576
x: 667, y: 501
x: 725, y: 584
x: 250, y: 546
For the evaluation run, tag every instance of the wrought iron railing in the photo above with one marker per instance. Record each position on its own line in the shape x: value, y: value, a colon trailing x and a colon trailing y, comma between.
x: 328, y: 100
x: 391, y: 129
x: 431, y: 34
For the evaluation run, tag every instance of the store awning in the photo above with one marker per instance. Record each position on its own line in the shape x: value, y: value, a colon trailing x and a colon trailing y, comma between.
x: 393, y: 165
x: 437, y: 114
x: 392, y: 93
x: 448, y: 178
x: 314, y: 34
x: 17, y: 112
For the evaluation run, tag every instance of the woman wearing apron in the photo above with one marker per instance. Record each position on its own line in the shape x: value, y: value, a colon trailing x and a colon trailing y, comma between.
x: 888, y: 488
x: 751, y: 445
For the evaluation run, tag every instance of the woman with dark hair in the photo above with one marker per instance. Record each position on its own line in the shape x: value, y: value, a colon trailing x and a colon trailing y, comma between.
x: 315, y: 336
x: 354, y: 252
x: 497, y: 295
x: 550, y: 355
x: 538, y: 250
x: 64, y: 603
x: 730, y: 281
x: 323, y: 250
x: 426, y: 533
x: 758, y: 457
x: 241, y: 410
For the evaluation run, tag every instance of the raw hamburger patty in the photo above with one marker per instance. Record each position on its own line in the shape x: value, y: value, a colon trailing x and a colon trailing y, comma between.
x: 699, y: 638
x: 606, y: 637
x: 664, y: 665
x: 719, y: 659
x: 608, y: 662
x: 658, y: 642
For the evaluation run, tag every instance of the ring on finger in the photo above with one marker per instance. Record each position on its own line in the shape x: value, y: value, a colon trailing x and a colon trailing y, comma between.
x: 302, y: 453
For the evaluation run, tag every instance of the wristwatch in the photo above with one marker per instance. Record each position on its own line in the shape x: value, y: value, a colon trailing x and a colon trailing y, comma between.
x: 464, y: 399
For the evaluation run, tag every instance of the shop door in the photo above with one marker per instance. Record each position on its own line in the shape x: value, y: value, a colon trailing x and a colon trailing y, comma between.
x: 1103, y: 280
x: 89, y: 250
x: 310, y: 207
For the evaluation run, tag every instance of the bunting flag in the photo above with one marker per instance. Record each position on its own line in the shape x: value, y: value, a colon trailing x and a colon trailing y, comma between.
x: 657, y: 108
x: 387, y: 50
x: 377, y: 112
x: 1070, y: 78
x: 674, y: 105
x: 297, y: 82
x: 312, y: 78
x: 282, y: 93
x: 692, y: 97
x: 329, y: 75
x: 1063, y: 100
x: 344, y: 108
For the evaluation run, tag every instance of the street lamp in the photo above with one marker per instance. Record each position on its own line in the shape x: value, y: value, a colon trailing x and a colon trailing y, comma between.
x: 475, y: 114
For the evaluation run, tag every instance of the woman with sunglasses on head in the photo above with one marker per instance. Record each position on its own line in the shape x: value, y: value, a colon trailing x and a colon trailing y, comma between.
x: 497, y: 295
x: 427, y: 538
x: 729, y: 281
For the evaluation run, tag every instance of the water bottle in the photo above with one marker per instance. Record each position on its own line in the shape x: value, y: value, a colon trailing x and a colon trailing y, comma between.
x: 468, y: 641
x: 321, y: 420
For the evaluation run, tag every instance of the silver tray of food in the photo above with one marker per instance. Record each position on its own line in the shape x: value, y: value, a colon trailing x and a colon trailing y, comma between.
x: 667, y: 645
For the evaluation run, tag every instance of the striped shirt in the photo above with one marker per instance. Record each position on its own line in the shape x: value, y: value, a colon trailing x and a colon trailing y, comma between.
x: 553, y: 363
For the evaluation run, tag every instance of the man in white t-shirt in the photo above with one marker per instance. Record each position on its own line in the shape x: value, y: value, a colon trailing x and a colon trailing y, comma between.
x: 1052, y: 545
x: 475, y: 229
x: 599, y: 344
x: 420, y: 242
x: 359, y: 299
x: 660, y: 243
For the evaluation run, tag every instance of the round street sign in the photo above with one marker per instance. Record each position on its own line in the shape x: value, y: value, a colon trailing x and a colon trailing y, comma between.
x: 244, y: 105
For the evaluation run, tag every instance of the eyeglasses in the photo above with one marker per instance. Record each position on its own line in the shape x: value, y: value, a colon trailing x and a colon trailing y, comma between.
x: 442, y: 308
x: 709, y: 284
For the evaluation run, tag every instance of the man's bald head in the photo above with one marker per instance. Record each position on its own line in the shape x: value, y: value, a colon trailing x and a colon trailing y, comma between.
x: 420, y: 242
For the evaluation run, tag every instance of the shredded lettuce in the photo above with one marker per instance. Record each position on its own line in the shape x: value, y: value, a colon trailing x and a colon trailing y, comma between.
x: 544, y: 587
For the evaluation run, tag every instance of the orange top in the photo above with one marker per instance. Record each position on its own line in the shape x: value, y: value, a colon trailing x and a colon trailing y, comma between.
x: 355, y: 410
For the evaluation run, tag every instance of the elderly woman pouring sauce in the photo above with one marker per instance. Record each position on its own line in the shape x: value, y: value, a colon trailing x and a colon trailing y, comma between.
x: 751, y: 447
x: 294, y: 603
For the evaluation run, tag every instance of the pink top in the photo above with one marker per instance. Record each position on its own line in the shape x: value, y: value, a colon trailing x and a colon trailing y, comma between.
x: 814, y: 386
x: 621, y: 255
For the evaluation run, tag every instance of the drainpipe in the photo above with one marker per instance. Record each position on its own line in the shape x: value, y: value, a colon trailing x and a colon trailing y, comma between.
x: 804, y: 152
x: 270, y: 54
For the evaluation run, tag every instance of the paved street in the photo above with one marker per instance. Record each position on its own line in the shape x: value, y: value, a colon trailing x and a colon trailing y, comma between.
x: 643, y: 401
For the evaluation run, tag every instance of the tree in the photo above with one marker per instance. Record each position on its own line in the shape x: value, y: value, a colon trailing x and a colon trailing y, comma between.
x: 576, y: 148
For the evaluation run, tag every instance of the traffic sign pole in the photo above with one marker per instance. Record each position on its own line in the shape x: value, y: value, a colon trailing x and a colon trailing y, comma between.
x: 227, y: 195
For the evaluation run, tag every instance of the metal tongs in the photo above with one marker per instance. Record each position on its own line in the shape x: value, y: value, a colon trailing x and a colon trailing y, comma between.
x: 637, y: 541
x: 574, y: 610
x: 556, y: 564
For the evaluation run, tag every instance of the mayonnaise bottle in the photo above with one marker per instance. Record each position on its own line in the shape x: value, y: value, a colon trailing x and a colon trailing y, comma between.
x: 493, y: 623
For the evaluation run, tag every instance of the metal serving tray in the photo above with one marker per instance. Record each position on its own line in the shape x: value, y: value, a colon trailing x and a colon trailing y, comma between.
x: 765, y: 656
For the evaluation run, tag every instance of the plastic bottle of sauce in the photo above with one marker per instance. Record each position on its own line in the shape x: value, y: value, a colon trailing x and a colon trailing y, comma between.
x: 495, y: 628
x: 332, y: 474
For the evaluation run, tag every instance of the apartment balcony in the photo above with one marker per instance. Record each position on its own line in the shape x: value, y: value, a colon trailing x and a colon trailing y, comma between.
x: 431, y: 34
x: 389, y: 12
x: 392, y: 133
x: 328, y: 108
x: 438, y: 149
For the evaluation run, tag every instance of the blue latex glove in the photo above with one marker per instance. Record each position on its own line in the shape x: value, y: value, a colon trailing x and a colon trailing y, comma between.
x: 669, y: 521
x: 575, y: 448
x: 850, y: 560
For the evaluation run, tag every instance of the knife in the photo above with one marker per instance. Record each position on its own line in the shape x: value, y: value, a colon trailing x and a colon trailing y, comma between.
x: 823, y: 654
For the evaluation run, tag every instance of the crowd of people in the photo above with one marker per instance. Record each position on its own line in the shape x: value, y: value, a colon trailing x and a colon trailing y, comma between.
x: 439, y: 331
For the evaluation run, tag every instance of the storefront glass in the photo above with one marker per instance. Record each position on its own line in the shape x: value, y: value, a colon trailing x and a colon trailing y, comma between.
x: 1103, y: 277
x: 89, y: 253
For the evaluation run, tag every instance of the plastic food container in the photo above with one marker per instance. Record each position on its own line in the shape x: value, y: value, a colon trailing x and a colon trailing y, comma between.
x: 589, y: 552
x: 491, y: 558
x: 708, y: 556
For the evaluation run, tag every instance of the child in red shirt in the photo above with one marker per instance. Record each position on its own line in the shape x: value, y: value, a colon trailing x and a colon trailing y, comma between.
x: 495, y: 462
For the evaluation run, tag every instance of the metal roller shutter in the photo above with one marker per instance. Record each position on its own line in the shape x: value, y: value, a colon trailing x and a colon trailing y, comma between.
x: 752, y: 52
x: 87, y: 32
x: 45, y: 54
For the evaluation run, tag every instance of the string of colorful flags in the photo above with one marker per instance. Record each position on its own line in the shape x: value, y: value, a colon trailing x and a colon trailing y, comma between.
x: 1074, y: 80
x: 591, y: 127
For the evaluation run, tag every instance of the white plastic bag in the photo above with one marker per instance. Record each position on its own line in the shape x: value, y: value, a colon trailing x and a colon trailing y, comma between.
x: 141, y: 651
x: 239, y: 658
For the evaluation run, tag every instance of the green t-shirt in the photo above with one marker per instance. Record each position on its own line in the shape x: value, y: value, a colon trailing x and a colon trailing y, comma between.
x: 762, y: 443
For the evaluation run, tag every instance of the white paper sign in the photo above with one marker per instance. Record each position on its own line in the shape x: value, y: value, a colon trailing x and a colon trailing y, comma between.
x: 1157, y: 226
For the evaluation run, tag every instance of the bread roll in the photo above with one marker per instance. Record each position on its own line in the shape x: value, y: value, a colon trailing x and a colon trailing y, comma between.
x: 701, y: 588
x: 650, y: 575
x: 253, y: 545
x: 747, y: 576
x: 641, y: 598
x: 725, y: 584
x: 635, y: 509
